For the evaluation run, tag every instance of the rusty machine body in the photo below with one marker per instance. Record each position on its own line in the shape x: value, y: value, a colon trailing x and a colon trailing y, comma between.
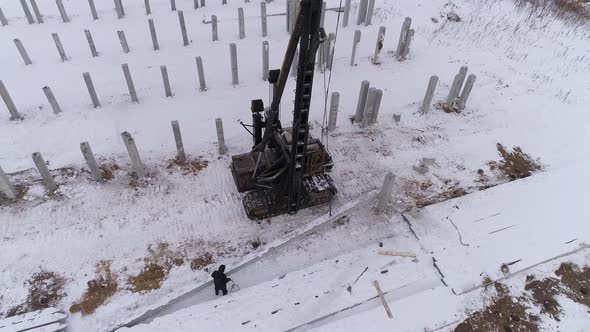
x: 287, y: 168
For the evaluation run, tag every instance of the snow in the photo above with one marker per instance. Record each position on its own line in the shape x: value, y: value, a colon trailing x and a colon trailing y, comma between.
x: 526, y: 221
x: 187, y: 299
x: 46, y: 320
x: 307, y: 294
x: 414, y: 286
x: 531, y: 91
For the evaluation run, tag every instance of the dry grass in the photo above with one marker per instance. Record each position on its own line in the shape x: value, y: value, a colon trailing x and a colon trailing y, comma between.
x: 149, y: 279
x: 189, y: 167
x: 99, y: 290
x: 571, y: 11
x: 425, y: 193
x: 46, y: 289
x: 514, y: 164
x: 158, y: 263
x: 450, y: 193
x: 162, y: 258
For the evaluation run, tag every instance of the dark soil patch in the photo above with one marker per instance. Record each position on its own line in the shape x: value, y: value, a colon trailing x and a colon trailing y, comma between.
x: 514, y: 164
x: 442, y: 106
x: 505, y: 314
x: 68, y: 172
x: 99, y: 290
x: 256, y: 243
x: 151, y: 174
x: 189, y: 167
x: 501, y: 289
x: 487, y: 281
x: 108, y: 171
x: 425, y: 185
x: 508, y: 313
x: 340, y: 221
x: 21, y: 192
x: 46, y: 289
x: 577, y: 282
x: 450, y: 109
x: 544, y: 292
x: 574, y: 284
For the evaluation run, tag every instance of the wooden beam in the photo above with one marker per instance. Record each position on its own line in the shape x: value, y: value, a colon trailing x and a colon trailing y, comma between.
x: 396, y: 253
x: 385, y: 305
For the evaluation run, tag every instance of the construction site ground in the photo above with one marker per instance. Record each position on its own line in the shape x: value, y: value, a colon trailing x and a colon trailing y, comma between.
x: 491, y: 200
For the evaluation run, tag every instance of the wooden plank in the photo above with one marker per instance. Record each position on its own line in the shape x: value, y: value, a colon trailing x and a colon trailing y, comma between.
x: 385, y: 305
x: 396, y: 253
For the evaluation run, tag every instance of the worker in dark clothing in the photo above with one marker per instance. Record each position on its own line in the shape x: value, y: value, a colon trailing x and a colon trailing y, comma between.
x: 220, y: 280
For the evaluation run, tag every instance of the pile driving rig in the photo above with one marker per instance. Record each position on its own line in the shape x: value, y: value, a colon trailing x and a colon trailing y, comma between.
x: 287, y: 168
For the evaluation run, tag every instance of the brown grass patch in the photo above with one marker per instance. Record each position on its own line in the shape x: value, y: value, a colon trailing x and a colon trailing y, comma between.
x: 450, y: 193
x: 514, y: 164
x: 189, y: 167
x: 99, y: 290
x: 158, y: 263
x: 161, y: 258
x: 46, y: 289
x: 202, y: 261
x: 450, y: 109
x: 425, y: 193
x: 149, y: 279
x: 418, y: 190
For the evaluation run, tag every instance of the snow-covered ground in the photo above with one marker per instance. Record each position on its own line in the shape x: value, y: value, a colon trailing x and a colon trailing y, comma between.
x: 543, y: 232
x: 531, y: 91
